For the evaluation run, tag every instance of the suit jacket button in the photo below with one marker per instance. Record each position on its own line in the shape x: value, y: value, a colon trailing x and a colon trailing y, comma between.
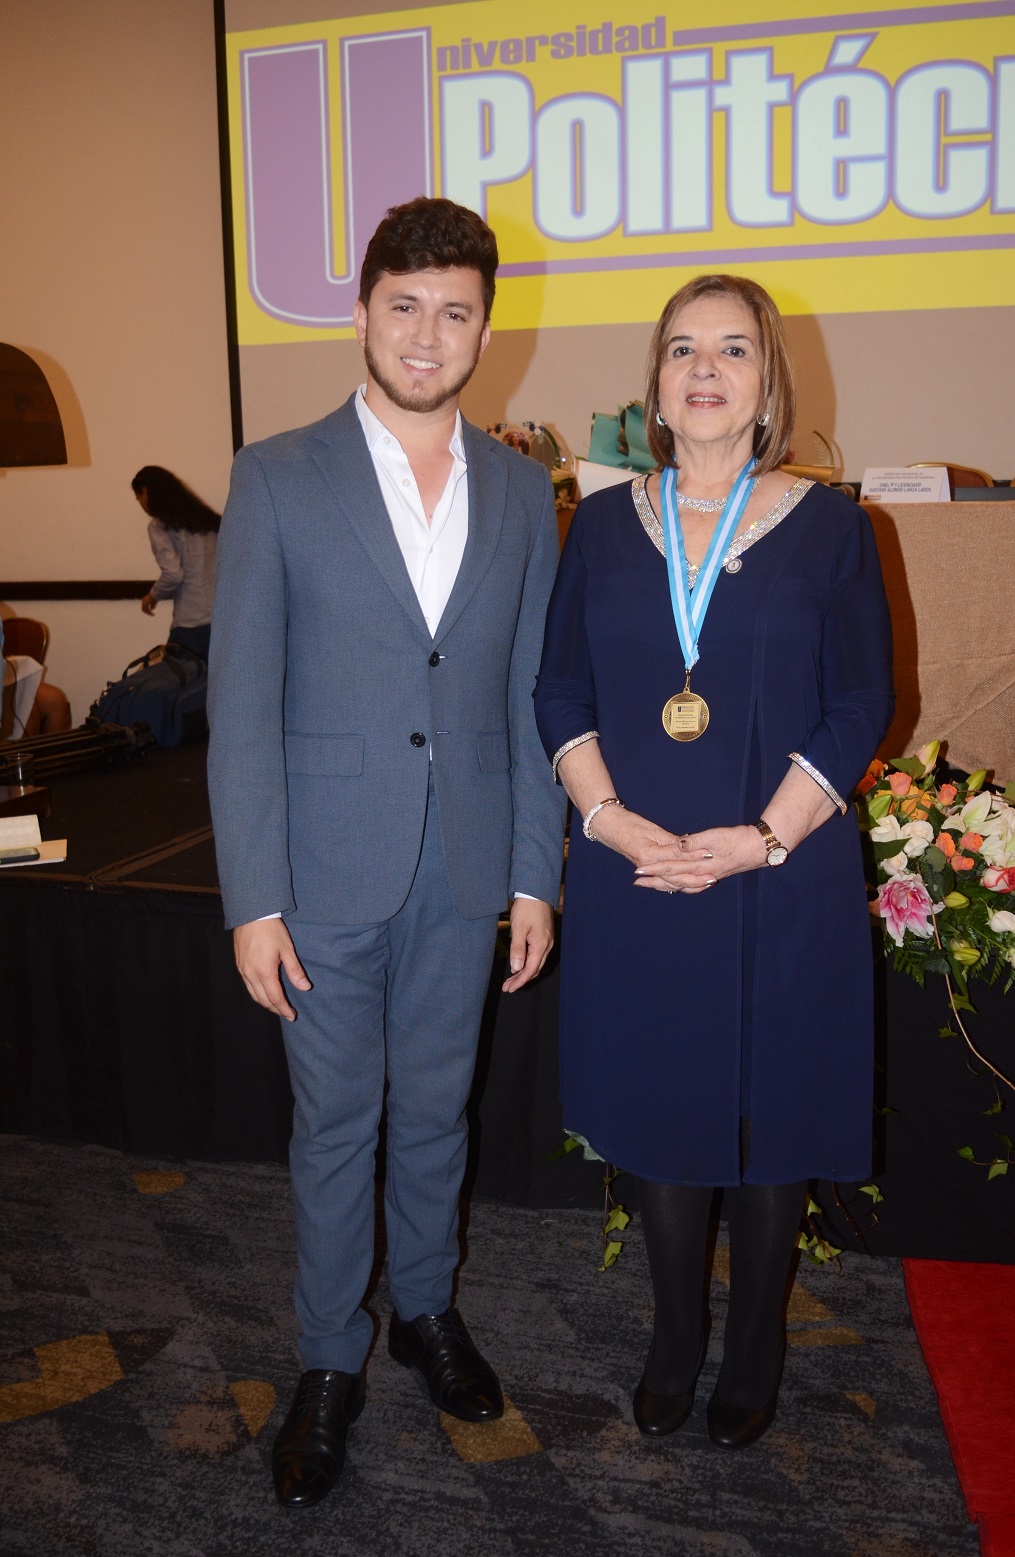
x: 434, y: 659
x: 417, y: 738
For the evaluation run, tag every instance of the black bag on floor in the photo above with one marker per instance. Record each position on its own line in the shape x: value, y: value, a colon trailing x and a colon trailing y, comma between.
x: 167, y: 689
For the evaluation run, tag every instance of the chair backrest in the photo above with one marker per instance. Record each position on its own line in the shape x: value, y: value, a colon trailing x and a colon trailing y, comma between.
x: 24, y: 635
x: 958, y: 475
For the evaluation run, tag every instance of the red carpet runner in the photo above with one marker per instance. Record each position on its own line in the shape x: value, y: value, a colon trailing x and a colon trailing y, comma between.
x: 965, y: 1318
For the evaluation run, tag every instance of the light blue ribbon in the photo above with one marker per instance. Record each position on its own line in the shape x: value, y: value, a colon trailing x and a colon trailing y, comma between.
x: 689, y: 606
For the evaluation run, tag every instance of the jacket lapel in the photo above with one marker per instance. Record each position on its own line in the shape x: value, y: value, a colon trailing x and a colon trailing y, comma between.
x: 342, y: 455
x: 487, y: 479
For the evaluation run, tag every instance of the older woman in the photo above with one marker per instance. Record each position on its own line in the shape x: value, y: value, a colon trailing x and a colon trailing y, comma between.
x: 716, y: 676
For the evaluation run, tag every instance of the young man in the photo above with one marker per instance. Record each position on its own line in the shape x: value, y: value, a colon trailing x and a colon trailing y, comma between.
x: 379, y: 793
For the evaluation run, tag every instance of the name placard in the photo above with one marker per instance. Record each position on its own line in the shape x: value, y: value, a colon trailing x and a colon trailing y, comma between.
x: 886, y: 484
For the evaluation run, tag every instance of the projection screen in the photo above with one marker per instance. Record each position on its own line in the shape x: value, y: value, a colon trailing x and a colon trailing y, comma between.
x: 855, y: 163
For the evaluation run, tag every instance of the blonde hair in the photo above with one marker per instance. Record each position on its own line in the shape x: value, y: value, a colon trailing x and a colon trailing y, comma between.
x: 778, y: 390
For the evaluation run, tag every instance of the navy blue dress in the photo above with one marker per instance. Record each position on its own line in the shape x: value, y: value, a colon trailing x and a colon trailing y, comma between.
x: 681, y: 1016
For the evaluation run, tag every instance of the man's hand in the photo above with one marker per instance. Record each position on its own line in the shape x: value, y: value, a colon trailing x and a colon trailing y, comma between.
x: 531, y: 941
x: 259, y: 947
x: 148, y: 604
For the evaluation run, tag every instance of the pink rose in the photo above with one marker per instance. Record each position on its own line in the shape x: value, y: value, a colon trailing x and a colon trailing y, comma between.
x: 905, y: 904
x: 999, y: 878
x: 900, y: 783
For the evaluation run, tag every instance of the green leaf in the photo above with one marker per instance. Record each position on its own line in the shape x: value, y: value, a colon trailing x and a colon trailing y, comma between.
x: 967, y: 1152
x: 962, y: 1003
x: 997, y: 1107
x: 1009, y: 790
x: 947, y: 1032
x: 1005, y: 1142
x: 996, y: 1169
x: 813, y: 1209
x: 611, y: 1254
x: 911, y: 765
x: 934, y: 857
x: 872, y: 1190
x: 617, y: 1220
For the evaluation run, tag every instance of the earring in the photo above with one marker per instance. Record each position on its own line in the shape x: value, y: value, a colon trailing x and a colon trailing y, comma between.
x: 659, y: 419
x: 763, y: 420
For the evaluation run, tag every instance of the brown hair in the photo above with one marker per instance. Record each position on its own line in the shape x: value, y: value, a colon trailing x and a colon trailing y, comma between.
x: 778, y: 392
x: 427, y: 234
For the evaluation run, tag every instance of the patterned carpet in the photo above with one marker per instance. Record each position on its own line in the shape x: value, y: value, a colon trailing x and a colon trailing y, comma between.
x: 147, y: 1357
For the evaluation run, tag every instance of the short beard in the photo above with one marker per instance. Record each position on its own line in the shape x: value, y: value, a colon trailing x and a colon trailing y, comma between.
x: 420, y: 399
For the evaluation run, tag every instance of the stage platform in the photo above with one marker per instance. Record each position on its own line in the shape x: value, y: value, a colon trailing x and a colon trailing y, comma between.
x: 125, y: 1024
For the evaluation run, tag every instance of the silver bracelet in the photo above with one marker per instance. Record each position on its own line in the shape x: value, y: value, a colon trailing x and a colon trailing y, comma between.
x: 586, y: 824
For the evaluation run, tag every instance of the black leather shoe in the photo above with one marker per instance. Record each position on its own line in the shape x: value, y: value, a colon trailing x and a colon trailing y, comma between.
x: 734, y: 1427
x: 658, y: 1415
x: 460, y: 1381
x: 309, y: 1451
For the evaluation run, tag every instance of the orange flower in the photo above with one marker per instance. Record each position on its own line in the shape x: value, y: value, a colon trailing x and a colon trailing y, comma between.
x: 900, y: 783
x: 871, y: 777
x: 946, y: 843
x: 961, y: 862
x: 946, y: 794
x: 971, y: 841
x: 917, y: 806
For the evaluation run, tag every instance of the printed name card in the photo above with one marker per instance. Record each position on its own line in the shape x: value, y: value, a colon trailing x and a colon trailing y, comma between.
x: 884, y: 484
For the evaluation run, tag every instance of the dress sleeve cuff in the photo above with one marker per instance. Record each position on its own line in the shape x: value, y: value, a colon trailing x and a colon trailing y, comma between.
x: 820, y: 780
x: 579, y: 740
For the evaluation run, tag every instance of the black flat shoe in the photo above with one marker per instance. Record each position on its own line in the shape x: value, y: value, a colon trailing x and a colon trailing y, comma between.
x: 460, y: 1381
x: 734, y: 1427
x: 309, y: 1451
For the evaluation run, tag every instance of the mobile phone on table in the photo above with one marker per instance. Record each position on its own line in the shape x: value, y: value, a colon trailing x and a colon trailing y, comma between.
x: 19, y: 855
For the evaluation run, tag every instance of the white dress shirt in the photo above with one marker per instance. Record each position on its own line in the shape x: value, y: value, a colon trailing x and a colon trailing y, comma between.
x: 432, y: 552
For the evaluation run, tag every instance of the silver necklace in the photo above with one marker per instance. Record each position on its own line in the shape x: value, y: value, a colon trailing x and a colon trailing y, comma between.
x: 702, y: 505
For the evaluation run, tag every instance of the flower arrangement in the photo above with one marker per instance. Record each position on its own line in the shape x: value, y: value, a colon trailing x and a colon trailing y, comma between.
x: 945, y: 860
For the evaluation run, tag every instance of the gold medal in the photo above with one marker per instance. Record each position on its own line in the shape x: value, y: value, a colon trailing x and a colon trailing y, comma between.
x: 685, y: 717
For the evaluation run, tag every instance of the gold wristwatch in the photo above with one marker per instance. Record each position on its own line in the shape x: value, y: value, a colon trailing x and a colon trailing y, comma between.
x: 778, y: 853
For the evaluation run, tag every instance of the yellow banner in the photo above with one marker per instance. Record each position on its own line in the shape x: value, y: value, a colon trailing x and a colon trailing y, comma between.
x: 849, y: 162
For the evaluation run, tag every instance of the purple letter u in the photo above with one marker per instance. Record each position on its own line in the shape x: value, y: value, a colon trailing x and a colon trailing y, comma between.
x: 386, y: 142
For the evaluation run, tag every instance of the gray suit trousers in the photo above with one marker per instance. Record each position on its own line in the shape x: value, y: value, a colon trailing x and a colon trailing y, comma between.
x: 400, y: 1000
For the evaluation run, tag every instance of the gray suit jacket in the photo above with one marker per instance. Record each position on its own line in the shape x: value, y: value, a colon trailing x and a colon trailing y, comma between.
x: 326, y: 700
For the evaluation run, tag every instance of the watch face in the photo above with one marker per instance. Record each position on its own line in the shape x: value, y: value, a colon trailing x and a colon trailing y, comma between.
x: 778, y: 856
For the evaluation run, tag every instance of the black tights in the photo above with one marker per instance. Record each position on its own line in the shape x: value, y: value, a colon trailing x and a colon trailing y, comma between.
x: 763, y: 1221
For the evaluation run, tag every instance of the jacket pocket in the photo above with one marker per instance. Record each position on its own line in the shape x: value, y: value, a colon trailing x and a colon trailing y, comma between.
x: 494, y: 751
x: 324, y: 756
